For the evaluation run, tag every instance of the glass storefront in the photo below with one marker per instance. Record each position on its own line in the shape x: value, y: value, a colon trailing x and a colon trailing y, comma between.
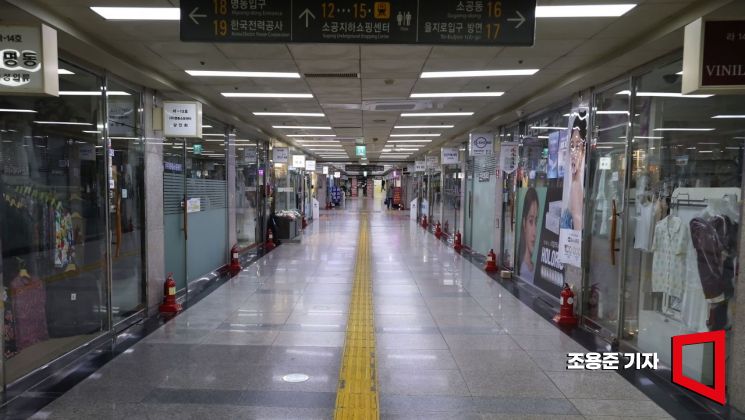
x: 506, y: 254
x: 72, y: 193
x: 247, y: 189
x: 684, y: 201
x: 451, y: 184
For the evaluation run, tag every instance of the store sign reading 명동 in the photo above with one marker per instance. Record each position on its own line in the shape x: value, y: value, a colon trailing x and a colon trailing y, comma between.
x: 28, y: 60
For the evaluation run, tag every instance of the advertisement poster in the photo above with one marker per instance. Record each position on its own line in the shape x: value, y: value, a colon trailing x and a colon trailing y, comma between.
x: 508, y: 157
x: 574, y: 190
x: 539, y: 213
x: 563, y: 157
x: 553, y: 155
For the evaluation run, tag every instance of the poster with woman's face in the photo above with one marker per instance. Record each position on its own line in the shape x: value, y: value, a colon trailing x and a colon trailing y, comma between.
x: 529, y: 213
x: 574, y: 193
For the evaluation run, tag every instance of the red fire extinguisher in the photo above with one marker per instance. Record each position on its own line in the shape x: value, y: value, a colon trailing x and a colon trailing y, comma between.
x: 457, y: 244
x: 235, y: 263
x: 169, y: 305
x: 566, y: 310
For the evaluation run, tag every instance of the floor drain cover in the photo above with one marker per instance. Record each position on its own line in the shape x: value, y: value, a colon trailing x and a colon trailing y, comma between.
x: 295, y: 377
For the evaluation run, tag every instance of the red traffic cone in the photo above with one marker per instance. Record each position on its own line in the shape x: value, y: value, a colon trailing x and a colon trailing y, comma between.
x: 491, y: 262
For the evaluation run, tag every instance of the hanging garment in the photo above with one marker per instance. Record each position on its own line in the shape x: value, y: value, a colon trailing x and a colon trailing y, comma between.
x: 28, y: 302
x: 603, y: 205
x: 715, y: 242
x: 669, y: 245
x: 644, y: 233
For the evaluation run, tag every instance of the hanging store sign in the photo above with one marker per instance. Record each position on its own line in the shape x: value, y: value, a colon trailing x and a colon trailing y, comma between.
x: 432, y: 162
x: 714, y: 57
x: 337, y: 174
x: 28, y: 63
x: 250, y: 155
x: 325, y: 170
x: 182, y: 119
x: 448, y: 22
x: 481, y: 144
x: 360, y: 168
x: 298, y: 161
x: 420, y: 166
x: 280, y: 154
x: 449, y: 155
x: 121, y: 116
x: 310, y: 165
x: 508, y: 157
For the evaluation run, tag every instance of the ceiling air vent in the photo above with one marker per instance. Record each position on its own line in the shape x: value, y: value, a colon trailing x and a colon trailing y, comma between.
x: 332, y: 75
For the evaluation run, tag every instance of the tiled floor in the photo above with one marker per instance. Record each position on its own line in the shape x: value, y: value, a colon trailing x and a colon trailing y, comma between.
x: 451, y: 343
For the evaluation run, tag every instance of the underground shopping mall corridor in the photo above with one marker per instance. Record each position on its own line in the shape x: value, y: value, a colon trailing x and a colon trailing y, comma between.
x: 449, y: 342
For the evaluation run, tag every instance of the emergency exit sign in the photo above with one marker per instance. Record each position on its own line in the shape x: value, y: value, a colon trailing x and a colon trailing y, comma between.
x: 360, y: 151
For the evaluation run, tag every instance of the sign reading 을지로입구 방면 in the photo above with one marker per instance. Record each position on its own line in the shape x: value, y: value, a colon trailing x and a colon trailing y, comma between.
x: 454, y: 22
x: 28, y: 60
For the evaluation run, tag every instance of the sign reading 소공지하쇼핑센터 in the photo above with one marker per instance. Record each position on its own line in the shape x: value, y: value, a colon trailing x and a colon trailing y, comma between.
x: 446, y: 22
x: 28, y: 60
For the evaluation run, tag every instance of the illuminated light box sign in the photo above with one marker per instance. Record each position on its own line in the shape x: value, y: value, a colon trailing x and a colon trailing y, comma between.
x: 714, y: 57
x: 28, y: 60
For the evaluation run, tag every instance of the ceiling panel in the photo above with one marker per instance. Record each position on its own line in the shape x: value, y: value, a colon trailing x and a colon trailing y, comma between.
x: 383, y: 69
x: 395, y: 52
x: 336, y: 52
x: 328, y: 66
x: 255, y: 51
x: 250, y: 64
x: 386, y: 89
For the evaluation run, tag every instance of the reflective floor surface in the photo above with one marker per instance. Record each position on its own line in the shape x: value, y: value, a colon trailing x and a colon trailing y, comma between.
x: 451, y: 342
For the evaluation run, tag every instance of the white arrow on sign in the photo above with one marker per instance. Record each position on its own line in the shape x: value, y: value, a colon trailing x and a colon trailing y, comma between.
x: 193, y: 15
x: 307, y: 13
x: 520, y: 19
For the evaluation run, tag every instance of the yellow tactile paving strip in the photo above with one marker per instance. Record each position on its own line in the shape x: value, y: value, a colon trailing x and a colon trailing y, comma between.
x: 357, y: 394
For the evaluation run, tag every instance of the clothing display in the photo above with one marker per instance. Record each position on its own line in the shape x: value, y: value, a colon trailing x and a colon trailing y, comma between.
x: 28, y: 300
x: 670, y: 245
x: 644, y: 232
x: 715, y: 242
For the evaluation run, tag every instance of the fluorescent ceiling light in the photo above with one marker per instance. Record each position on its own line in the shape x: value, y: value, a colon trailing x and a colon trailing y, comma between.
x: 311, y: 135
x: 729, y: 116
x: 645, y: 137
x: 325, y: 150
x: 206, y: 126
x: 302, y: 142
x: 684, y: 129
x: 548, y: 128
x: 478, y: 73
x: 219, y: 73
x: 212, y: 135
x: 266, y: 95
x: 456, y: 95
x: 680, y: 73
x: 302, y: 127
x: 584, y: 10
x: 664, y: 94
x: 402, y: 149
x: 25, y: 111
x: 321, y: 145
x: 289, y: 114
x: 64, y: 71
x: 92, y: 132
x: 423, y: 126
x: 215, y: 141
x: 61, y: 123
x: 415, y: 135
x: 438, y: 114
x: 138, y: 13
x: 92, y: 93
x: 410, y: 141
x: 612, y: 112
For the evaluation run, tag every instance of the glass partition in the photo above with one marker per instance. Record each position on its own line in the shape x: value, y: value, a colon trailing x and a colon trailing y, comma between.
x: 247, y: 190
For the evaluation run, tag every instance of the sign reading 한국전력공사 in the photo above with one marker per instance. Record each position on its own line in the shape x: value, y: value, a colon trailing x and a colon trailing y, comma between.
x: 445, y: 22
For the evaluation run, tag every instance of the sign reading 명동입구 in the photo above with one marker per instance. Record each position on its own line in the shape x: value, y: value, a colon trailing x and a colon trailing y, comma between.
x: 28, y: 60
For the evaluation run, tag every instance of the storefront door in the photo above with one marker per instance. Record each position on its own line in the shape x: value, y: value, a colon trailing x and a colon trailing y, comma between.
x: 604, y: 207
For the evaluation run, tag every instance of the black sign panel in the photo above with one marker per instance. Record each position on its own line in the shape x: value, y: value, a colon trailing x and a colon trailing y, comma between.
x: 236, y: 20
x: 455, y: 22
x: 488, y: 22
x: 362, y: 168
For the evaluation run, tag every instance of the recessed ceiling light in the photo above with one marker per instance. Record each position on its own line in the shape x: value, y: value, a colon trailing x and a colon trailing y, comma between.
x: 684, y: 129
x: 289, y: 114
x: 92, y: 132
x: 584, y: 10
x: 422, y: 126
x: 438, y: 114
x: 267, y: 95
x: 456, y: 95
x: 410, y: 141
x: 548, y: 128
x: 311, y: 135
x: 64, y: 71
x: 24, y: 111
x: 478, y: 73
x: 301, y: 127
x: 220, y: 73
x: 61, y: 123
x: 663, y: 94
x: 416, y: 135
x: 317, y: 141
x: 729, y: 116
x: 612, y: 112
x: 138, y: 13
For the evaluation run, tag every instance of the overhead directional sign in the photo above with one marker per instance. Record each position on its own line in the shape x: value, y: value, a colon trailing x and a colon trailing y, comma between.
x: 361, y: 168
x: 455, y: 22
